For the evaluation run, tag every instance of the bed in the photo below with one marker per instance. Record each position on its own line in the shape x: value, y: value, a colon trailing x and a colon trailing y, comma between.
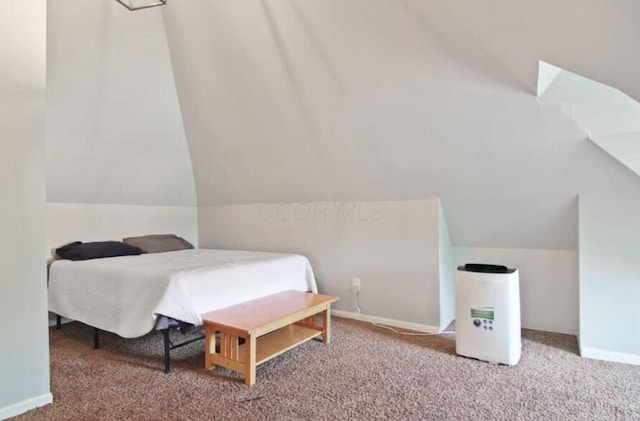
x: 133, y: 295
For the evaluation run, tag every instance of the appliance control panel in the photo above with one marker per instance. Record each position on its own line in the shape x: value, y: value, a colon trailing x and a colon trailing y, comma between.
x: 483, y: 318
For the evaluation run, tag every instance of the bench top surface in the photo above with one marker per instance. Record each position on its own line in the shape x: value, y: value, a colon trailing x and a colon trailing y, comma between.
x: 254, y: 314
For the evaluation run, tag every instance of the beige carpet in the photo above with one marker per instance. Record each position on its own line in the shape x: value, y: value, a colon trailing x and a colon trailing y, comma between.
x: 366, y: 373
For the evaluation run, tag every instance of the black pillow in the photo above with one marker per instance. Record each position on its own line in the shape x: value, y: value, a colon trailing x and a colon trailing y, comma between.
x: 96, y: 250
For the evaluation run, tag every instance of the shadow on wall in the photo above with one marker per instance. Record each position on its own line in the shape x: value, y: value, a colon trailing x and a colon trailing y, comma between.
x: 454, y: 41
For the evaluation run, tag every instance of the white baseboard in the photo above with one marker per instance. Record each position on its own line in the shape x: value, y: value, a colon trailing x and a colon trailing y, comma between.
x: 387, y: 322
x: 616, y: 357
x: 24, y: 406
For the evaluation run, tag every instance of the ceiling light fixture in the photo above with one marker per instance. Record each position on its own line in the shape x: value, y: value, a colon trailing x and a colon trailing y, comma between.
x: 141, y: 4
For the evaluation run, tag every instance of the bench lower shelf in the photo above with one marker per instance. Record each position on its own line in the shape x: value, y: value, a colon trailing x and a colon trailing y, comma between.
x: 267, y: 347
x: 277, y: 342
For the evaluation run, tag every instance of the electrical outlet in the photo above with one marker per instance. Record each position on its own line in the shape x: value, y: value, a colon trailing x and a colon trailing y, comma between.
x: 355, y: 284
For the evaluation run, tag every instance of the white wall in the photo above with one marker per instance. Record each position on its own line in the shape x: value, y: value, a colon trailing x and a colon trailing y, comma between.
x: 393, y: 247
x: 114, y: 125
x: 69, y: 222
x: 609, y: 277
x: 547, y: 73
x: 24, y: 354
x: 446, y: 266
x: 548, y: 283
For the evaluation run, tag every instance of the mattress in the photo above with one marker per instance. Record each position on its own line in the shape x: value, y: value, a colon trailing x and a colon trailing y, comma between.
x: 126, y: 295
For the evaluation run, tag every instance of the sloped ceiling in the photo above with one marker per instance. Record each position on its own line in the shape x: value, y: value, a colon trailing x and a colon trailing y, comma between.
x: 114, y: 128
x: 610, y: 118
x: 307, y: 100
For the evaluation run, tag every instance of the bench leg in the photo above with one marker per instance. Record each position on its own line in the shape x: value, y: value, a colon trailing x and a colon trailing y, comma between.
x: 250, y: 367
x: 209, y: 347
x: 326, y: 325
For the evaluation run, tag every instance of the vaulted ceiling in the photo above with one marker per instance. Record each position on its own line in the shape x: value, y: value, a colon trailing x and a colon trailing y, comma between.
x: 307, y: 100
x: 609, y: 117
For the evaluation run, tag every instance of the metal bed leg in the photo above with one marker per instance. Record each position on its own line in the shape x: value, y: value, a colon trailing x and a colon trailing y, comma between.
x: 58, y: 322
x: 167, y: 350
x: 96, y: 338
x: 168, y: 346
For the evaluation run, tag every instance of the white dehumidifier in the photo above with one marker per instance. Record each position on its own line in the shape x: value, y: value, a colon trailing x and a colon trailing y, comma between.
x: 488, y: 313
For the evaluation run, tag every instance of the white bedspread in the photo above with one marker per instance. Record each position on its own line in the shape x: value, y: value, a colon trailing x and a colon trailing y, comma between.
x: 125, y: 295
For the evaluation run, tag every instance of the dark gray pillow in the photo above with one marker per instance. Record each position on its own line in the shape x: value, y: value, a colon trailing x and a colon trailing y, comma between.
x: 96, y: 250
x: 158, y: 243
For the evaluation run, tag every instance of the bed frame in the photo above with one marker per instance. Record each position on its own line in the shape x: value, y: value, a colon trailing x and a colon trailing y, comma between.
x: 168, y: 344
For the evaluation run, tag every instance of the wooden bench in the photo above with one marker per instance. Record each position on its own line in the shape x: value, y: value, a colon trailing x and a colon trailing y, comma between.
x: 269, y: 326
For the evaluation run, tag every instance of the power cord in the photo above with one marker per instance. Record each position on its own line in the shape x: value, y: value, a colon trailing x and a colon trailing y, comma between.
x: 364, y: 317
